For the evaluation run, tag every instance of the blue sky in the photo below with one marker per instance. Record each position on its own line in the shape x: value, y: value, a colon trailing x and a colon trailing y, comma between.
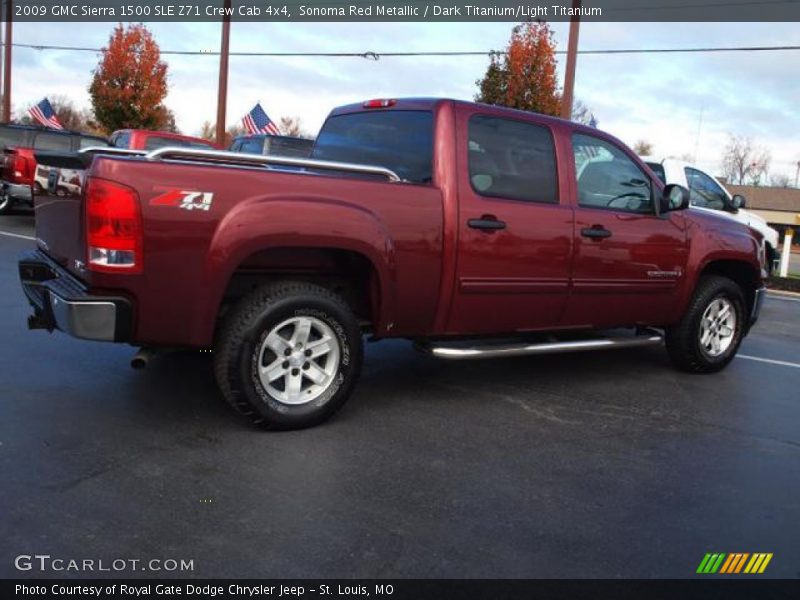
x: 654, y: 97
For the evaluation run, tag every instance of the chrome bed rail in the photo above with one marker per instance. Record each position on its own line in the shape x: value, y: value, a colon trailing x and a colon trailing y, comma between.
x: 220, y: 156
x: 240, y: 158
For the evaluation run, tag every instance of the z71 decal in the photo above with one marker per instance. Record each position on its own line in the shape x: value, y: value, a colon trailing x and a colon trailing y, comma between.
x: 186, y: 199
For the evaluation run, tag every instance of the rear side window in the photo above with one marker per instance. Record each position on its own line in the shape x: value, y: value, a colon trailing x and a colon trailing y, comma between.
x: 11, y: 137
x: 512, y: 159
x: 87, y: 142
x: 658, y: 169
x: 52, y: 141
x: 251, y: 145
x: 122, y: 140
x: 400, y: 140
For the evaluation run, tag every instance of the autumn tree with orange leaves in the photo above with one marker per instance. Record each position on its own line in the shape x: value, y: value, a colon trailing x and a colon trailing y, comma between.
x: 130, y: 82
x: 525, y: 76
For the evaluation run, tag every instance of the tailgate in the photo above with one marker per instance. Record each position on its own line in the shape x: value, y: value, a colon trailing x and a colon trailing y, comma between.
x: 58, y: 204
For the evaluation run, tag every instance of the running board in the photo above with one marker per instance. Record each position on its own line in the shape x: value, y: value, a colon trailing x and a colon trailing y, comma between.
x: 453, y: 352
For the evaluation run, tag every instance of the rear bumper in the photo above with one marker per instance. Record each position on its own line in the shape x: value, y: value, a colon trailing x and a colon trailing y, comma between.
x: 60, y: 301
x: 758, y: 301
x: 17, y: 192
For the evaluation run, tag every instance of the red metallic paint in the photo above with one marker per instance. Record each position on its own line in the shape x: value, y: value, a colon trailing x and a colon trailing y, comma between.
x: 433, y: 276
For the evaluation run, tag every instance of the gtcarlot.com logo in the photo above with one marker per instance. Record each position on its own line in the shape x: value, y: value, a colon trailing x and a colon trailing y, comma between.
x: 45, y: 562
x: 734, y: 563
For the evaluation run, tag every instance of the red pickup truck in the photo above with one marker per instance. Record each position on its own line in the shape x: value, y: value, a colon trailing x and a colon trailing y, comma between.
x: 145, y: 139
x: 19, y: 174
x: 475, y: 231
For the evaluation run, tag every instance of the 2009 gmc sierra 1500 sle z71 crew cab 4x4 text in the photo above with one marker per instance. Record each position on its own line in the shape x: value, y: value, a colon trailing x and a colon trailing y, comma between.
x: 470, y: 229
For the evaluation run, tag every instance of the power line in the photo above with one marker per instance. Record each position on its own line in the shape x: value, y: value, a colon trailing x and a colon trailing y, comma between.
x: 370, y: 55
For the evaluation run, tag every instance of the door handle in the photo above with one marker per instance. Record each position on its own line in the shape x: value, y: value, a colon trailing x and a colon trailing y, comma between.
x: 487, y: 223
x: 596, y: 232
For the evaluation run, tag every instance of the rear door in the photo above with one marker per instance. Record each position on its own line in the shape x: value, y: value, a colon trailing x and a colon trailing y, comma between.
x: 628, y: 260
x: 514, y: 228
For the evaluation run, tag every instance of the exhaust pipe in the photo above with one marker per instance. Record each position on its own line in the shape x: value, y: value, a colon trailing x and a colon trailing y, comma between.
x: 142, y: 357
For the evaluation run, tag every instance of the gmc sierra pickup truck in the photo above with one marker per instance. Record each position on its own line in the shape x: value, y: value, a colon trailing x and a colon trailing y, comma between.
x: 475, y: 231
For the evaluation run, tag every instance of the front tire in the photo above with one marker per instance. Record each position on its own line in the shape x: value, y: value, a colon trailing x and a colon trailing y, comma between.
x: 707, y: 337
x: 289, y: 355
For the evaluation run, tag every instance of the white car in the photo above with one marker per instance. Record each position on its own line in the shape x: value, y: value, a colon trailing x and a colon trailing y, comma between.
x: 706, y: 193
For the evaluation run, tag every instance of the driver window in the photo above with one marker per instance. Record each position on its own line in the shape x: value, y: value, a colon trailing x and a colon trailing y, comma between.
x: 703, y: 191
x: 608, y: 178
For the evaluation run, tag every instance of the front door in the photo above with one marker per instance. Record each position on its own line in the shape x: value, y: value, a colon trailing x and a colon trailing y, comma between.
x: 628, y: 259
x: 514, y: 228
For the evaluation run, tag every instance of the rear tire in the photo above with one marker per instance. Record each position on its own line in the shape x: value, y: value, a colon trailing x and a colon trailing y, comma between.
x: 6, y: 204
x: 707, y: 337
x: 288, y: 355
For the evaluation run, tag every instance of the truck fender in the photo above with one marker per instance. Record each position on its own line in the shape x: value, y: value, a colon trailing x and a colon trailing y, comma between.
x: 709, y: 248
x: 299, y: 221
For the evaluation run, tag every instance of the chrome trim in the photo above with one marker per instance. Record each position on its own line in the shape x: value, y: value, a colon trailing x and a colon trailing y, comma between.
x: 111, y: 150
x: 454, y: 353
x: 240, y: 157
x: 87, y: 320
x: 17, y: 191
x: 758, y: 302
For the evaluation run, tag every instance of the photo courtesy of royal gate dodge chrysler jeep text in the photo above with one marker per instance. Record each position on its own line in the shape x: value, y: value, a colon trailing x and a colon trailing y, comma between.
x: 470, y: 229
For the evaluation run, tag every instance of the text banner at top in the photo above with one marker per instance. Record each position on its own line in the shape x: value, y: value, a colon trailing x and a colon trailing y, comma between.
x: 674, y: 11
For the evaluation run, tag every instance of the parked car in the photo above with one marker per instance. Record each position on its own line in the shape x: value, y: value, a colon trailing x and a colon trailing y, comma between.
x: 452, y: 224
x: 707, y: 193
x: 18, y: 143
x: 144, y: 139
x: 274, y: 145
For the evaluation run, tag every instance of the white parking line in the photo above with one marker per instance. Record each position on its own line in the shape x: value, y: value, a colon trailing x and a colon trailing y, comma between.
x: 787, y: 298
x: 771, y: 361
x: 17, y: 235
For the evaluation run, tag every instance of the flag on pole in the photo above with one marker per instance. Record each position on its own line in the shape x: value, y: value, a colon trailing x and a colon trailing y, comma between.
x: 44, y: 114
x: 257, y: 121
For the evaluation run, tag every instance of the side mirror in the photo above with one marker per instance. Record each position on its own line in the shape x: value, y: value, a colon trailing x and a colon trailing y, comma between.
x: 674, y: 197
x: 738, y: 201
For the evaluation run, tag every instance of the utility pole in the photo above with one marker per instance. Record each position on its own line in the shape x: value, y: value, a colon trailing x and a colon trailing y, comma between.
x: 2, y: 49
x: 6, y: 116
x: 572, y: 58
x: 222, y: 95
x: 797, y: 174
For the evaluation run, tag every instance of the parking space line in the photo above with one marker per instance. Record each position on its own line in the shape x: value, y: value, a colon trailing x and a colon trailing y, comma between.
x: 787, y: 298
x: 17, y: 235
x: 771, y: 361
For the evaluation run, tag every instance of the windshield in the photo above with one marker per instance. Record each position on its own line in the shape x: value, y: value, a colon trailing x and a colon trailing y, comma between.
x: 400, y: 140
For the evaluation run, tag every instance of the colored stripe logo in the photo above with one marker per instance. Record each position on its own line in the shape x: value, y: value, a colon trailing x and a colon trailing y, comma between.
x: 737, y: 562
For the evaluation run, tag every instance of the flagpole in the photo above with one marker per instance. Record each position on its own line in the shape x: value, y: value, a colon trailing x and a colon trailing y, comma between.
x: 222, y: 95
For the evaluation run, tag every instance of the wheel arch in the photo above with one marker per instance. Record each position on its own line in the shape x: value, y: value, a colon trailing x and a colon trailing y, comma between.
x: 743, y: 273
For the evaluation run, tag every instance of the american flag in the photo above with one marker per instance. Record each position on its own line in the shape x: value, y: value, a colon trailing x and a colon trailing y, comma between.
x: 257, y: 121
x: 44, y: 113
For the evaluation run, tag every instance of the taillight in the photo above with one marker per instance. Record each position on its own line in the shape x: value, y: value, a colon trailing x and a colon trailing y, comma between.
x: 16, y: 167
x: 113, y: 227
x: 379, y: 103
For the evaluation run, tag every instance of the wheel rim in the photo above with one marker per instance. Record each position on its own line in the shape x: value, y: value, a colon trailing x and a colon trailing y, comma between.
x: 3, y: 202
x: 718, y: 327
x: 298, y: 360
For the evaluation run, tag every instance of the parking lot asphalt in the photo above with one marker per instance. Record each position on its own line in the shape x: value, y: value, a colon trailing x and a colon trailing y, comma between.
x: 585, y: 465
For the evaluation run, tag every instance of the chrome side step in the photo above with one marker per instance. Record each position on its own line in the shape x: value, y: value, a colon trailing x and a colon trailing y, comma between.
x: 454, y: 352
